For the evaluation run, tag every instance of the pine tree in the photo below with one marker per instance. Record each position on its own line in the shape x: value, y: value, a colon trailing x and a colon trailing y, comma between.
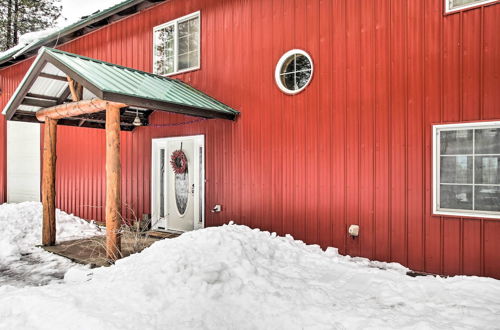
x: 18, y: 17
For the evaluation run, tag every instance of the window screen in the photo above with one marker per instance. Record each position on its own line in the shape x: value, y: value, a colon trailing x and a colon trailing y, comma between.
x: 468, y: 169
x: 177, y: 45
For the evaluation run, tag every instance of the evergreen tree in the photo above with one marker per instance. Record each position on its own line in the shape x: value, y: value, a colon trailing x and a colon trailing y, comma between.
x: 18, y: 17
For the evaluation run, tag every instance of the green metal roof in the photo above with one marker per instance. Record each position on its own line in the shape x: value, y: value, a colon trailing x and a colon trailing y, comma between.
x: 93, y: 21
x: 112, y: 82
x: 115, y: 79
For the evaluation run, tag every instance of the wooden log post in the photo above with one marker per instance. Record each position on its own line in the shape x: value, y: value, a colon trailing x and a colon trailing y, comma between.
x: 113, y: 182
x: 49, y: 182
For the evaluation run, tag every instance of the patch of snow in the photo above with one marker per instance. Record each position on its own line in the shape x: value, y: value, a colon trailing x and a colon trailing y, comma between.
x: 72, y: 12
x: 233, y: 277
x: 28, y: 39
x: 21, y: 262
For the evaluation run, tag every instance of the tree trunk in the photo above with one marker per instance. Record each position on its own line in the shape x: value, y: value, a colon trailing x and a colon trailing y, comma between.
x: 49, y: 182
x: 8, y: 34
x: 113, y: 183
x: 15, y: 33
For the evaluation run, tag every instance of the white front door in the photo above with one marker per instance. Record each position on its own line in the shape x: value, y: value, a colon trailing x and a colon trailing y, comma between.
x: 178, y: 185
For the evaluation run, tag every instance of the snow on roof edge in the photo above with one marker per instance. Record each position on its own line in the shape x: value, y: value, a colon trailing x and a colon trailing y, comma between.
x: 16, y: 51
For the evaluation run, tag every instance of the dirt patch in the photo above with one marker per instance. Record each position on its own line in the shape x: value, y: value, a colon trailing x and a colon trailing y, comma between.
x: 91, y: 251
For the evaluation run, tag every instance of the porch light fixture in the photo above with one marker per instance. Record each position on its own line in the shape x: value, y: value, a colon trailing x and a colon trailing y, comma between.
x: 137, y: 120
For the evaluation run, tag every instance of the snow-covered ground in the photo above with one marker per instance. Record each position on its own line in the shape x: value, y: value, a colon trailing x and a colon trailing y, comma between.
x: 21, y: 262
x: 232, y: 277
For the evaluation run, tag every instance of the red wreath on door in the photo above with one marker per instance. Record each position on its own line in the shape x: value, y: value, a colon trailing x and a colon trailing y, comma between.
x: 178, y: 160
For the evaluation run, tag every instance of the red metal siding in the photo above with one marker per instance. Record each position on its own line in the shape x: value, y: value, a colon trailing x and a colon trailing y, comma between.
x: 353, y: 148
x: 9, y: 80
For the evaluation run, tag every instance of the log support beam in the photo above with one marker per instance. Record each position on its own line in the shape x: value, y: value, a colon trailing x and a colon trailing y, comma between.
x: 74, y: 109
x: 113, y: 167
x: 75, y: 89
x: 49, y: 183
x: 113, y: 183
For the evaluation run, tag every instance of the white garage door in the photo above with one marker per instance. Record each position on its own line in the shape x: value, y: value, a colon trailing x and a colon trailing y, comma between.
x: 23, y: 162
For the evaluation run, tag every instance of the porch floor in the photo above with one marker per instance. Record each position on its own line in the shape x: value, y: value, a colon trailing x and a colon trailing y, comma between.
x: 91, y: 251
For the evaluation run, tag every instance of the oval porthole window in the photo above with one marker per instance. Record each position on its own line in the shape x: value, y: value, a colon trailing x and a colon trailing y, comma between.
x: 294, y: 71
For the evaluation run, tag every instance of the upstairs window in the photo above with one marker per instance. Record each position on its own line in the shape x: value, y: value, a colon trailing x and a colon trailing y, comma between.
x: 467, y: 169
x: 176, y: 46
x: 294, y: 71
x: 456, y: 5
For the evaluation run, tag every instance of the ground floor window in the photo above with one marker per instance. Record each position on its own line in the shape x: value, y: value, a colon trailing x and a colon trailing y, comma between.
x: 467, y: 169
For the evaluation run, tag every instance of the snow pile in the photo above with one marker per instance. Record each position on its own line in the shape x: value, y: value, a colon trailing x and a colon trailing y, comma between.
x: 232, y: 277
x: 21, y: 262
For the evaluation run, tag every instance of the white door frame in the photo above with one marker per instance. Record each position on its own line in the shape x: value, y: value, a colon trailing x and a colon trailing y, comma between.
x: 199, y: 177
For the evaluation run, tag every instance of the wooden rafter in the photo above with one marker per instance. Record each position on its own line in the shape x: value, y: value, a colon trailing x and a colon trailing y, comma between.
x: 38, y: 102
x: 64, y: 95
x: 43, y: 97
x: 51, y: 76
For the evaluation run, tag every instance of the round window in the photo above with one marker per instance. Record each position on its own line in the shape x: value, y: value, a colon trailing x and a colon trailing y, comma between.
x: 294, y: 71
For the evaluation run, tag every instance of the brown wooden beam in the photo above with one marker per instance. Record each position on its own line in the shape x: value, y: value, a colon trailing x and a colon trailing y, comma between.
x: 79, y: 92
x: 76, y: 93
x: 113, y: 182
x: 75, y: 109
x: 52, y: 76
x: 74, y: 89
x: 49, y: 183
x: 64, y: 95
x: 43, y: 97
x: 38, y: 103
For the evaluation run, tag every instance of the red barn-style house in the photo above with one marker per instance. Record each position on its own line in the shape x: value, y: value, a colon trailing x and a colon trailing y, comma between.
x: 301, y: 117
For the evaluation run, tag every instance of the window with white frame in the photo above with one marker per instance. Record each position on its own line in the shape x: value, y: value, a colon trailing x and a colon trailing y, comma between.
x: 467, y: 169
x: 294, y: 71
x: 176, y: 45
x: 455, y: 5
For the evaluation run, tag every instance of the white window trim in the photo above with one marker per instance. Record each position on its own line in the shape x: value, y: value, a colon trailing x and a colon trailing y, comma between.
x: 450, y: 9
x: 176, y: 22
x: 277, y: 71
x: 436, y: 129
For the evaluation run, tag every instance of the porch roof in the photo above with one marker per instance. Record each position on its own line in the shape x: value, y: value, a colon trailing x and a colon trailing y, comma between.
x: 46, y: 85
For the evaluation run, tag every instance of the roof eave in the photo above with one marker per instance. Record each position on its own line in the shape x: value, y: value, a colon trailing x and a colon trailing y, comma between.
x: 24, y: 85
x: 169, y: 107
x: 60, y: 34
